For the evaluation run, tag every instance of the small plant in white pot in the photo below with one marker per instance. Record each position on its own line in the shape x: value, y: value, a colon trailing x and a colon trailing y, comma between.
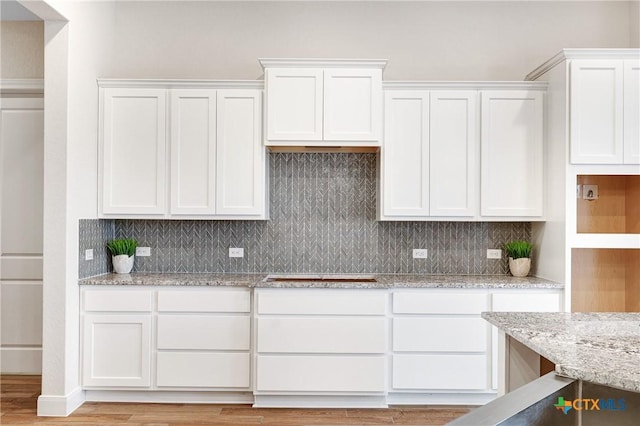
x: 123, y: 252
x: 519, y: 253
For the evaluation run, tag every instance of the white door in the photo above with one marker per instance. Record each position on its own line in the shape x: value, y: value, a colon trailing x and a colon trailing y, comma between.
x: 193, y: 150
x: 133, y: 160
x: 294, y: 104
x: 596, y: 112
x: 631, y: 112
x: 352, y: 104
x: 21, y: 213
x: 240, y: 157
x: 117, y: 350
x: 405, y: 154
x: 453, y: 143
x: 511, y: 153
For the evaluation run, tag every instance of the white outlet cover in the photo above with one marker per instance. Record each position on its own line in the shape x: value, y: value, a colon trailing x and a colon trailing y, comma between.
x: 143, y: 251
x: 420, y: 253
x: 494, y: 254
x: 590, y: 192
x: 236, y: 252
x: 88, y: 254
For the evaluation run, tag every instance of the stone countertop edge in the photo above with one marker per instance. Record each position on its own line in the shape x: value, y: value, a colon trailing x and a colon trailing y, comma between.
x: 384, y: 281
x: 597, y: 347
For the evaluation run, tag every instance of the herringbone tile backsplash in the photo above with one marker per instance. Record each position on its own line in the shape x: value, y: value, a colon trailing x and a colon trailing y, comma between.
x: 323, y: 210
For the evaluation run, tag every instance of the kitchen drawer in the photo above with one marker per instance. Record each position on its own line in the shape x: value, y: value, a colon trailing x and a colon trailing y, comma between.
x: 525, y: 302
x: 321, y: 373
x: 441, y: 372
x: 321, y: 302
x: 440, y: 334
x: 118, y: 300
x: 208, y: 300
x: 201, y: 369
x: 413, y: 302
x: 203, y: 332
x: 322, y: 335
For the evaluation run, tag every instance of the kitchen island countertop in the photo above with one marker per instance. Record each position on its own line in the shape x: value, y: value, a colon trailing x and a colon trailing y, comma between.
x: 383, y: 281
x: 601, y: 348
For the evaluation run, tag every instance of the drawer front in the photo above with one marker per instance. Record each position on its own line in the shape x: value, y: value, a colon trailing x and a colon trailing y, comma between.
x: 310, y: 302
x: 455, y: 372
x: 203, y: 332
x: 322, y: 335
x: 527, y: 302
x: 320, y: 374
x: 209, y: 300
x: 214, y: 370
x: 118, y: 300
x: 440, y: 334
x: 410, y: 302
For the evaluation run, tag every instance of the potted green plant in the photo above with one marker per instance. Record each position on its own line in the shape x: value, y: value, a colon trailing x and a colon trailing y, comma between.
x: 123, y: 252
x: 519, y: 253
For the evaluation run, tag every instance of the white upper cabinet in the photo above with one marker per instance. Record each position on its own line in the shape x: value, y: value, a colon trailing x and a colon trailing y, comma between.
x: 133, y: 141
x: 215, y: 167
x: 453, y: 151
x: 596, y: 111
x: 193, y: 149
x: 512, y: 139
x: 323, y: 102
x: 240, y: 157
x: 631, y: 111
x: 405, y: 154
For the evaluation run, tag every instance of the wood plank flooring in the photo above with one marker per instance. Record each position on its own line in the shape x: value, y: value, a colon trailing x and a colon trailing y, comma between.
x: 19, y: 396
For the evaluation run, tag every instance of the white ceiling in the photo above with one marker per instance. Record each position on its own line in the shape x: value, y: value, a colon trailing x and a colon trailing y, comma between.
x: 11, y: 10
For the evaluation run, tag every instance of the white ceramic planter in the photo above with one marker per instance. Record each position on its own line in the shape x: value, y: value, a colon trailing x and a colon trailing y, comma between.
x: 122, y: 264
x: 519, y: 267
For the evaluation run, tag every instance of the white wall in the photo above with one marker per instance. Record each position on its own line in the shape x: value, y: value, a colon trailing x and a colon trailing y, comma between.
x: 422, y: 40
x: 21, y: 49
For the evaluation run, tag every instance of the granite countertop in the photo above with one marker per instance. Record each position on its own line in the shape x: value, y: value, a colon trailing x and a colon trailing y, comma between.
x: 383, y: 281
x: 602, y: 348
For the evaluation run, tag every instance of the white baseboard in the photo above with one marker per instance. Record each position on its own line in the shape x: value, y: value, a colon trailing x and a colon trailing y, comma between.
x: 416, y: 398
x: 178, y: 397
x: 21, y: 360
x: 320, y: 401
x: 60, y: 405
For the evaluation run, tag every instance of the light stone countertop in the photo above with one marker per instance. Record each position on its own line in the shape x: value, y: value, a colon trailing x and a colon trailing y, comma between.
x: 601, y: 348
x: 383, y: 281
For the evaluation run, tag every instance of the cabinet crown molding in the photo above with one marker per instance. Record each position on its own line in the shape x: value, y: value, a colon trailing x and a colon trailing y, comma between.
x: 467, y: 85
x: 567, y: 54
x: 322, y: 63
x: 180, y: 83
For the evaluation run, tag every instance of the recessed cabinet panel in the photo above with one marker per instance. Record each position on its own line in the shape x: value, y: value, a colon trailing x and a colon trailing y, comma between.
x: 453, y: 144
x: 193, y: 139
x: 240, y: 155
x: 596, y: 112
x: 294, y: 104
x: 631, y: 112
x: 405, y: 164
x: 352, y: 104
x: 512, y: 143
x: 133, y: 151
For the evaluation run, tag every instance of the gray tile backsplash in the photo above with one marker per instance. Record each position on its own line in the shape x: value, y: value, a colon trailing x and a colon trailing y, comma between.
x: 94, y: 234
x: 323, y: 209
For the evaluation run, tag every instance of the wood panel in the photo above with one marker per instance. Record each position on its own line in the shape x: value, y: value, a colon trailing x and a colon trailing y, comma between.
x: 598, y: 280
x: 607, y: 214
x: 633, y: 204
x: 632, y: 296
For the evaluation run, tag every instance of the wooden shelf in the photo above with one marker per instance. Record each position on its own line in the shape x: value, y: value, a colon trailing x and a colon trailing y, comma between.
x: 616, y: 211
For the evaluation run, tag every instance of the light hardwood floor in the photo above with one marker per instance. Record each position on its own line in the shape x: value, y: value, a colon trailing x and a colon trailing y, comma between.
x: 19, y: 395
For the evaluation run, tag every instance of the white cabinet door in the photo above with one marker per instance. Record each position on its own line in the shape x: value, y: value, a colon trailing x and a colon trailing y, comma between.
x: 631, y: 112
x: 240, y: 157
x: 294, y: 104
x: 193, y: 138
x: 133, y: 131
x: 116, y: 350
x: 596, y: 112
x: 405, y: 154
x: 352, y: 104
x: 453, y: 144
x: 512, y: 153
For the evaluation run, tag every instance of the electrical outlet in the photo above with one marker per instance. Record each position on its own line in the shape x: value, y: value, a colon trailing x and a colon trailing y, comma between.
x: 420, y: 253
x: 590, y: 192
x: 236, y: 252
x: 88, y: 254
x: 494, y: 254
x: 143, y: 251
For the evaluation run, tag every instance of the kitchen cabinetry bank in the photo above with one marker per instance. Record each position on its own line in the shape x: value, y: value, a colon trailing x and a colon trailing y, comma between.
x: 218, y: 338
